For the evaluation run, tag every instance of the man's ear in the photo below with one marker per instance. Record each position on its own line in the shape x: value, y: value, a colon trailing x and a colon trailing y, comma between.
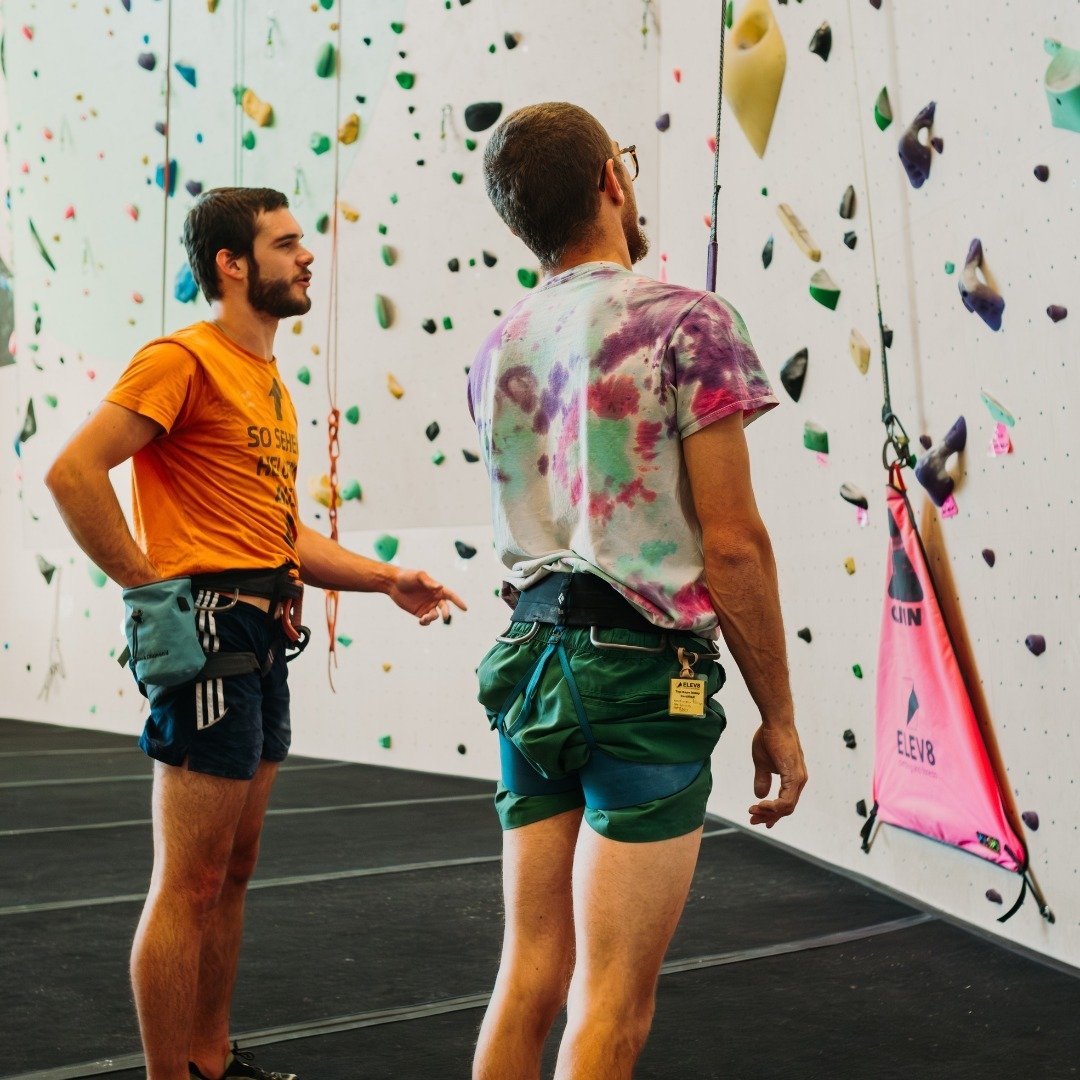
x: 230, y: 265
x: 612, y: 187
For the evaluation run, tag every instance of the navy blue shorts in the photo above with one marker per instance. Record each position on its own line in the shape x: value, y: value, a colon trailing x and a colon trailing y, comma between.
x: 225, y: 726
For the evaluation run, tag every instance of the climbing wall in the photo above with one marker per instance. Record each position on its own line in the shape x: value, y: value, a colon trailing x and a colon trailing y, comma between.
x: 368, y: 136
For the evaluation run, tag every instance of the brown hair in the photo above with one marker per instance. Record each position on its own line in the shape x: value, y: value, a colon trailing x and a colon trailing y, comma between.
x: 542, y: 171
x: 225, y: 217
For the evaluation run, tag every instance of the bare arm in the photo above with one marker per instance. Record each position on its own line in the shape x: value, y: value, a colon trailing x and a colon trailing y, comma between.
x: 741, y: 574
x: 79, y: 482
x: 325, y: 564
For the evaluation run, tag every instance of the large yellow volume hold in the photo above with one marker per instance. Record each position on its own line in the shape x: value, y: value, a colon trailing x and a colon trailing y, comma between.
x: 754, y: 72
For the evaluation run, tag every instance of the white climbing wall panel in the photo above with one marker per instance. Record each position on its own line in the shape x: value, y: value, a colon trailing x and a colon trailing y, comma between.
x: 74, y: 74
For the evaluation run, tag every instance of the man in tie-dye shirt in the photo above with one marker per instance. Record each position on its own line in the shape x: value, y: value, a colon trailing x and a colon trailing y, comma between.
x: 610, y: 409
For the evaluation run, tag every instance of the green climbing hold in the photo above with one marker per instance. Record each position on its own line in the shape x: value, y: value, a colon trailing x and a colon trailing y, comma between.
x: 856, y: 670
x: 528, y: 278
x: 386, y: 547
x: 447, y: 324
x: 950, y: 267
x: 382, y: 311
x: 238, y: 93
x: 765, y: 191
x: 248, y: 141
x: 883, y: 110
x: 405, y: 79
x: 352, y: 491
x: 457, y: 177
x: 815, y: 437
x: 327, y: 61
x: 50, y: 399
x: 393, y: 199
x: 397, y: 27
x: 470, y: 144
x: 322, y: 223
x: 438, y: 457
x: 97, y: 576
x: 824, y: 290
x: 326, y: 4
x: 729, y: 14
x: 352, y: 414
x: 344, y: 639
x: 389, y: 256
x: 384, y: 740
x: 319, y: 144
x: 304, y: 375
x: 382, y: 230
x: 491, y: 47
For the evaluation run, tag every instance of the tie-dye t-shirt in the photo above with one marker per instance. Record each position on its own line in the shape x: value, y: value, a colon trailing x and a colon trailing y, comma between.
x: 581, y: 396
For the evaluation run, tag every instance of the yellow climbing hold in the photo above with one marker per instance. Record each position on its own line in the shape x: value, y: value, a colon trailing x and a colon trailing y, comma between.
x: 860, y: 350
x: 348, y: 212
x: 394, y: 387
x: 754, y: 73
x: 349, y: 131
x: 798, y: 232
x: 319, y: 489
x: 849, y: 565
x: 262, y: 112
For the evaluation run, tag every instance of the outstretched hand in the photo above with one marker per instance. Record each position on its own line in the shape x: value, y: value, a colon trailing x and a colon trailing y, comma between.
x: 420, y: 594
x: 776, y: 750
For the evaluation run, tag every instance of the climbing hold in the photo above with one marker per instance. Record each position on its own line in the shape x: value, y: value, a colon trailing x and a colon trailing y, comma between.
x: 470, y: 457
x: 859, y: 348
x: 349, y: 213
x: 326, y: 64
x: 949, y: 266
x: 937, y: 143
x: 860, y: 806
x: 160, y: 176
x: 766, y: 253
x: 322, y: 223
x: 850, y: 239
x: 29, y: 428
x: 319, y: 142
x: 248, y: 140
x: 438, y: 457
x: 447, y: 323
x: 466, y: 551
x: 1062, y: 85
x: 886, y: 337
x: 352, y: 414
x: 405, y: 79
x: 430, y: 325
x: 432, y: 430
x: 262, y: 112
x: 994, y: 896
x: 480, y: 115
x: 997, y: 410
x: 457, y: 177
x: 461, y: 749
x: 989, y: 557
x: 511, y: 40
x: 319, y: 490
x: 184, y: 288
x: 394, y: 387
x: 132, y: 212
x: 397, y: 27
x: 930, y: 471
x: 982, y: 297
x: 528, y: 278
x: 385, y: 740
x: 147, y: 61
x: 1031, y: 819
x: 850, y: 493
x: 815, y: 437
x: 663, y: 122
x: 824, y: 290
x: 798, y: 232
x: 849, y: 738
x: 186, y: 72
x: 386, y: 546
x: 46, y: 568
x: 40, y: 245
x: 388, y: 255
x: 805, y: 634
x: 914, y: 154
x: 793, y: 373
x: 304, y: 376
x: 1036, y: 644
x: 489, y: 259
x: 454, y: 266
x: 383, y: 311
x: 883, y: 110
x: 849, y: 565
x: 349, y: 131
x: 754, y: 72
x: 344, y: 639
x: 351, y: 491
x: 97, y: 575
x: 856, y: 670
x: 847, y: 203
x: 1042, y: 172
x: 1057, y: 312
x: 821, y: 42
x: 194, y: 187
x: 925, y: 442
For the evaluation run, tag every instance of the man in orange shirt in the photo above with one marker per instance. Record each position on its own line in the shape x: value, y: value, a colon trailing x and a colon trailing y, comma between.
x: 212, y: 436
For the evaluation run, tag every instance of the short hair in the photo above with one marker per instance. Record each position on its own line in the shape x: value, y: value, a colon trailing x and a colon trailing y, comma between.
x: 542, y: 171
x: 225, y: 217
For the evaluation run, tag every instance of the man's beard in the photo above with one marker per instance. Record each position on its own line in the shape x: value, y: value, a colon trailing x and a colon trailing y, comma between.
x: 637, y: 243
x: 274, y: 298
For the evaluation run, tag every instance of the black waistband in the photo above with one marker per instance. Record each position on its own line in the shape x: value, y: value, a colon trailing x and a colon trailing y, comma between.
x: 587, y: 600
x: 270, y: 584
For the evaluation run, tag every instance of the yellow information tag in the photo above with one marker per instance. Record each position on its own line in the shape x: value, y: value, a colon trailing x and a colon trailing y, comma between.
x: 687, y: 698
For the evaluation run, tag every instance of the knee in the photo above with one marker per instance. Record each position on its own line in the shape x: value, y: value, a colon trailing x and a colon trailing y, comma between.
x: 198, y: 892
x: 242, y: 863
x: 538, y: 987
x: 618, y: 1012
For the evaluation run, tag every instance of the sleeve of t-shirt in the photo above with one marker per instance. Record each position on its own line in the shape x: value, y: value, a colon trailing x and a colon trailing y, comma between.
x: 715, y: 368
x: 157, y: 383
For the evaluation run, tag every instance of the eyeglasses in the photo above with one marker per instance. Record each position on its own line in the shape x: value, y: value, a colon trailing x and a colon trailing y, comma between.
x: 630, y: 163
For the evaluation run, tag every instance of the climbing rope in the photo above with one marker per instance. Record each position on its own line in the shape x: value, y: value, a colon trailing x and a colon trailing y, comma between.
x: 334, y: 418
x: 710, y: 264
x: 166, y: 177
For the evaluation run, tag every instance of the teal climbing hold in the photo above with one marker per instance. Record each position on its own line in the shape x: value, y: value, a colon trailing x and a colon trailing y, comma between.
x: 352, y: 414
x: 320, y: 143
x: 344, y: 639
x: 351, y: 491
x: 184, y: 288
x: 1062, y: 85
x: 386, y: 546
x: 186, y: 72
x: 304, y: 376
x: 248, y: 141
x: 159, y: 177
x: 97, y: 576
x: 326, y: 63
x: 388, y: 254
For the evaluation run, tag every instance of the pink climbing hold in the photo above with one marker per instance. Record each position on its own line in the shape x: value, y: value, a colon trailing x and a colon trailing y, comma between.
x: 28, y: 33
x: 69, y: 213
x: 132, y: 212
x: 711, y: 140
x: 677, y: 73
x: 137, y: 297
x: 46, y: 134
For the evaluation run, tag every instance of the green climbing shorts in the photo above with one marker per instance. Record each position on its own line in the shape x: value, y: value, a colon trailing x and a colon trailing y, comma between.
x: 583, y: 725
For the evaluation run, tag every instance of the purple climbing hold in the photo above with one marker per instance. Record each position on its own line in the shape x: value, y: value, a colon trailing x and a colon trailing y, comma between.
x: 1042, y: 172
x: 915, y: 155
x: 194, y: 187
x: 663, y: 122
x: 1036, y: 644
x: 994, y: 896
x: 849, y: 739
x: 982, y: 297
x: 148, y: 61
x: 989, y: 556
x: 1057, y: 312
x: 1031, y: 820
x: 875, y: 4
x: 127, y: 4
x: 938, y: 144
x: 930, y: 471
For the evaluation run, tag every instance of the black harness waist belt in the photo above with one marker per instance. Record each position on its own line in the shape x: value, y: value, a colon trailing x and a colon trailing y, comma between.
x: 272, y: 585
x: 588, y: 601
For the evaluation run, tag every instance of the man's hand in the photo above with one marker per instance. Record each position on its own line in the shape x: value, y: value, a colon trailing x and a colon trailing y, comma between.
x: 419, y: 594
x: 776, y: 750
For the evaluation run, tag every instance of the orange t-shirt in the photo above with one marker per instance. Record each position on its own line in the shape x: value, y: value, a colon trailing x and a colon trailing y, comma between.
x: 217, y: 490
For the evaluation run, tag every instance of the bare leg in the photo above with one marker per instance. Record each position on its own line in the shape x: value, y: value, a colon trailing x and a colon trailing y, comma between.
x: 628, y: 899
x: 538, y: 948
x: 221, y: 940
x: 195, y: 818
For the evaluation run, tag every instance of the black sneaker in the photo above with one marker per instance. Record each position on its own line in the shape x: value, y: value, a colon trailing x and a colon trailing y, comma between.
x: 238, y: 1064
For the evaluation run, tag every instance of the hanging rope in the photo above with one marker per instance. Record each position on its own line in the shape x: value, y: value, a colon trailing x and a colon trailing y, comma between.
x: 710, y: 265
x: 167, y: 177
x: 239, y: 85
x: 334, y: 418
